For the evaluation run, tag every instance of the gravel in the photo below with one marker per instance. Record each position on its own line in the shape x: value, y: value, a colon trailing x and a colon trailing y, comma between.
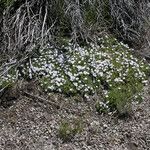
x: 30, y: 124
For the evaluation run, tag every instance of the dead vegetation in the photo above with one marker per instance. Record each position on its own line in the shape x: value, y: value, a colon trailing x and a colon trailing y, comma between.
x: 28, y: 26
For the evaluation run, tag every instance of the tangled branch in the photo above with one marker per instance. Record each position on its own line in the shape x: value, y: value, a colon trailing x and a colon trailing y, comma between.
x: 30, y: 25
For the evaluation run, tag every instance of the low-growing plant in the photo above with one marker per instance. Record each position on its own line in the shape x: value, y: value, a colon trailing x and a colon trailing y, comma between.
x: 8, y: 79
x: 102, y: 107
x: 67, y: 130
x: 6, y: 3
x: 107, y: 66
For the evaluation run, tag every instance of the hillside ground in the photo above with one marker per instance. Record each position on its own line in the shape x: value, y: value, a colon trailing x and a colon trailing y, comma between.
x: 34, y: 121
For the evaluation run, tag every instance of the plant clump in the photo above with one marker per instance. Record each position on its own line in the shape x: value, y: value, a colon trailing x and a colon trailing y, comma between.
x: 9, y: 78
x: 107, y: 66
x: 67, y: 130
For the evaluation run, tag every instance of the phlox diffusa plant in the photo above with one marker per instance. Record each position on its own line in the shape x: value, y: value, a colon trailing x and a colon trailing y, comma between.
x: 108, y: 66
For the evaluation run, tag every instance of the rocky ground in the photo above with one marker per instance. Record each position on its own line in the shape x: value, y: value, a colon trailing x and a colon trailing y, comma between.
x: 34, y: 122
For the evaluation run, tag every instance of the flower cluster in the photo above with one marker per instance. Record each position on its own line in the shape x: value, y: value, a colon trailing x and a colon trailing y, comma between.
x: 108, y: 66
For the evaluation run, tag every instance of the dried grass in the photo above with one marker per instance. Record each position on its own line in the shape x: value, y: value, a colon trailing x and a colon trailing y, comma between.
x: 29, y: 25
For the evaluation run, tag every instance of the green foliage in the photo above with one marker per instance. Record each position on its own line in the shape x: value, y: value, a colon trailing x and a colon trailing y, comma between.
x: 90, y: 14
x: 97, y: 14
x: 68, y: 130
x: 108, y: 67
x: 6, y: 3
x: 8, y: 79
x: 102, y: 107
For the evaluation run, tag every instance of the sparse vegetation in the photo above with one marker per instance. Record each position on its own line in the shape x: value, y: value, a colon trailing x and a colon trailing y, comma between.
x: 67, y: 130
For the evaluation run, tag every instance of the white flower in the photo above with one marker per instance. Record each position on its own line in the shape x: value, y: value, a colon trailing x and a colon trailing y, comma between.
x: 85, y: 78
x: 101, y: 74
x: 145, y: 82
x: 75, y: 84
x: 118, y: 80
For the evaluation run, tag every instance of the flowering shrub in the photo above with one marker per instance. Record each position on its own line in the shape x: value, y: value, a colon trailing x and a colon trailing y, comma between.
x: 108, y: 66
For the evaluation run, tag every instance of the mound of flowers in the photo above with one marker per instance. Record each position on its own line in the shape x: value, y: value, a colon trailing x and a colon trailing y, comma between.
x: 107, y: 66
